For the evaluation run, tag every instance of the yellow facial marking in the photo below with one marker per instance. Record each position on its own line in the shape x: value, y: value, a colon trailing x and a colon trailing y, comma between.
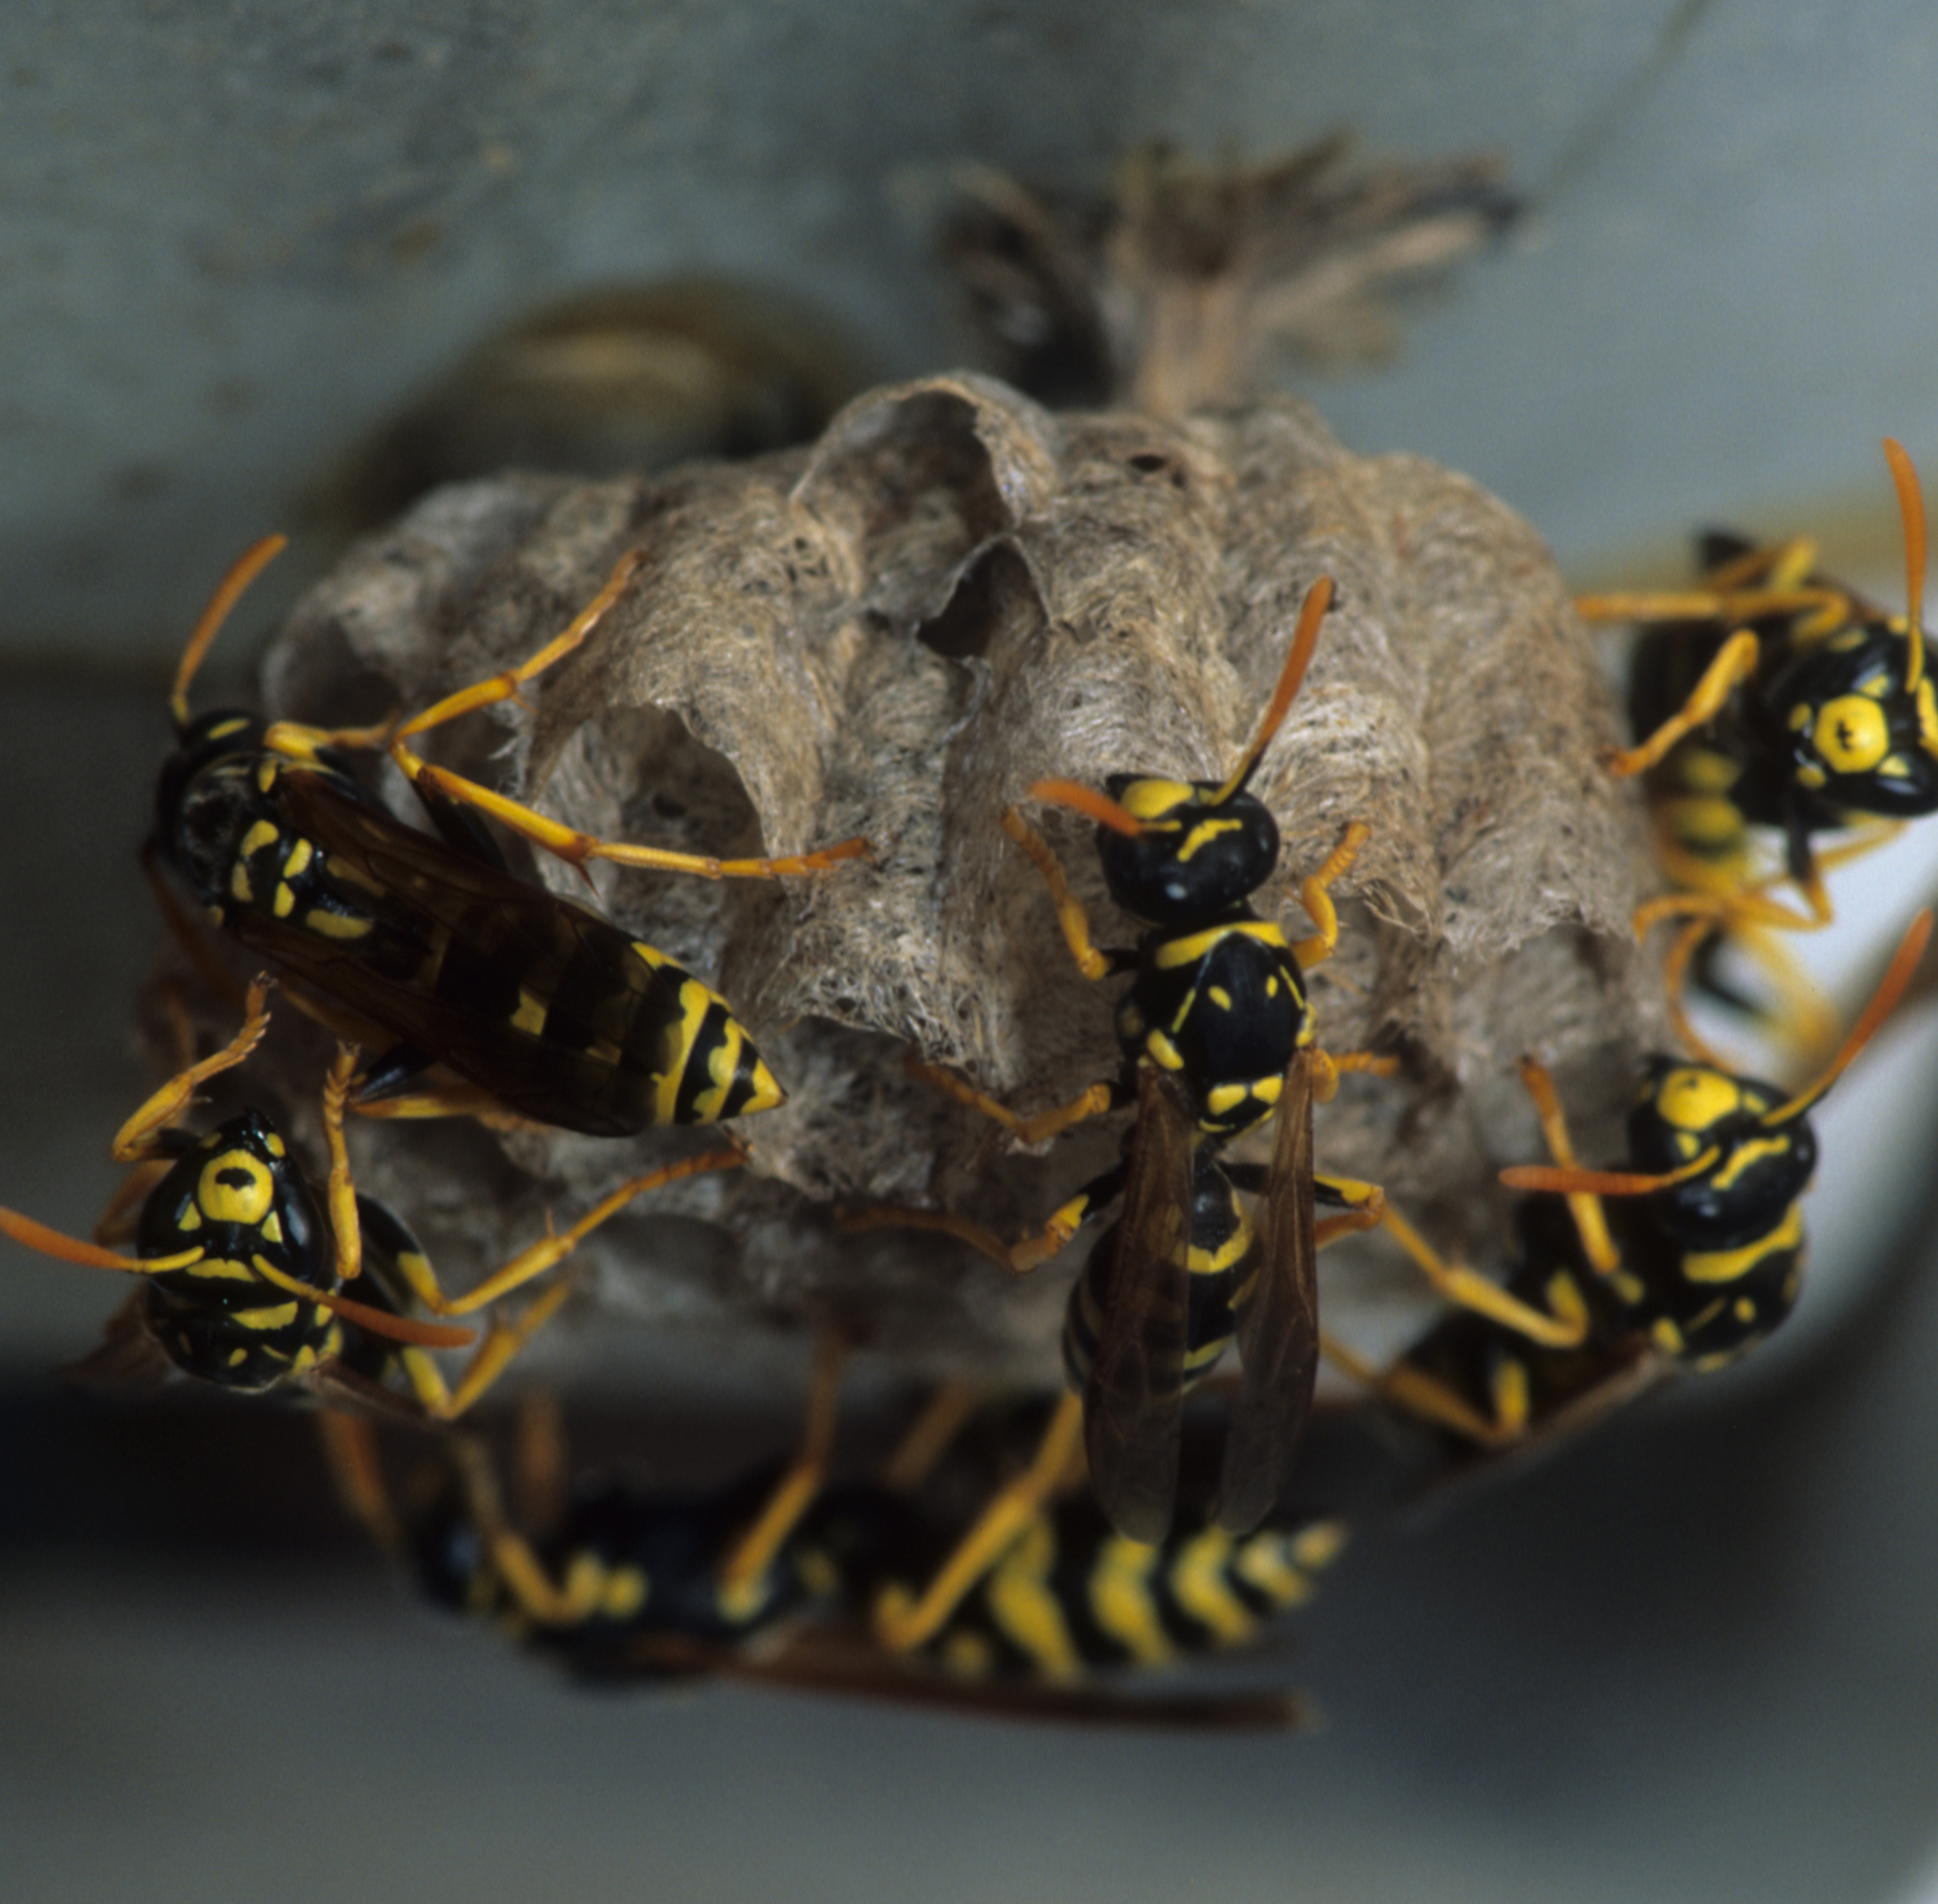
x: 188, y: 1217
x: 1693, y: 1098
x: 279, y: 1317
x: 274, y: 1144
x: 1163, y: 1051
x: 1852, y: 733
x: 235, y: 1188
x: 221, y: 1269
x: 271, y: 1227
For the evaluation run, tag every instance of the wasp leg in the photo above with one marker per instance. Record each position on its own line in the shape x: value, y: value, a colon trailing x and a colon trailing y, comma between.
x: 1022, y: 1256
x: 941, y: 1419
x: 1093, y: 961
x: 1418, y: 1393
x: 1565, y: 1328
x: 1735, y: 661
x: 1591, y: 1222
x: 745, y: 1570
x: 357, y: 1472
x: 902, y: 1623
x: 1314, y: 897
x: 134, y: 1143
x: 1328, y: 1066
x: 1037, y: 1129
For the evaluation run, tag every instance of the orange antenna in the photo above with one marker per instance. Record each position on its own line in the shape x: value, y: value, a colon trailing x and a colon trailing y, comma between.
x: 378, y: 1322
x: 1883, y: 1001
x: 1569, y: 1181
x: 1911, y: 505
x: 1092, y: 805
x: 252, y: 564
x: 1304, y: 640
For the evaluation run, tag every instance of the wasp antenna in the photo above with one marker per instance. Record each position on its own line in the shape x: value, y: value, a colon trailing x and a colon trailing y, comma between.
x: 1091, y: 804
x: 1565, y: 1180
x: 1911, y: 504
x: 1883, y: 1002
x: 1304, y: 640
x: 229, y: 591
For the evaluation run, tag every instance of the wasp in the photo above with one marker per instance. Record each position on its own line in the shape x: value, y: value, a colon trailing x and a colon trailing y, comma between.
x: 1216, y: 1037
x: 542, y: 1006
x: 244, y: 1261
x: 626, y: 1585
x: 1697, y: 1258
x: 1772, y: 696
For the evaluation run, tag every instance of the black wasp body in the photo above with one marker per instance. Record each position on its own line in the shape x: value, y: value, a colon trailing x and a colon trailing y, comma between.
x: 552, y: 1010
x: 252, y: 1299
x: 1831, y: 726
x: 1685, y: 1259
x: 627, y: 1587
x: 1217, y: 1000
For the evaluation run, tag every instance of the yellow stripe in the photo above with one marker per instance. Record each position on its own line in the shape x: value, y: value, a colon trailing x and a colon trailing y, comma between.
x: 1121, y: 1601
x: 264, y: 833
x: 1194, y: 946
x: 1201, y: 1586
x: 1024, y: 1610
x: 1729, y: 1265
x: 1752, y: 1152
x: 280, y: 1316
x: 336, y: 925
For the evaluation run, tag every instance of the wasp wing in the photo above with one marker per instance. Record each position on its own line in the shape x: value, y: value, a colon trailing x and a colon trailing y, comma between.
x: 1278, y: 1323
x: 462, y: 940
x: 1133, y: 1406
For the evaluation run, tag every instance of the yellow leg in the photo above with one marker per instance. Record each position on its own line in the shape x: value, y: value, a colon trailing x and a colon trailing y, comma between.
x: 503, y: 1341
x: 902, y: 1624
x: 1038, y: 1129
x: 1566, y: 1329
x: 1071, y: 916
x: 1314, y: 897
x: 1591, y: 1223
x: 1735, y: 661
x: 1023, y: 1257
x: 1421, y: 1394
x: 941, y: 1419
x: 540, y: 1256
x: 349, y: 1451
x: 743, y: 1573
x: 132, y: 1143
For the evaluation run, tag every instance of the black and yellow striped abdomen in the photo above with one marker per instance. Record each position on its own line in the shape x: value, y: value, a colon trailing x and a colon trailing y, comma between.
x: 1220, y: 1263
x: 1073, y: 1597
x: 553, y: 1010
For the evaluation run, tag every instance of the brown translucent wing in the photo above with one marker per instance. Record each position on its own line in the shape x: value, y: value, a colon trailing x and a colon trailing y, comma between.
x: 1278, y: 1326
x: 128, y: 1357
x: 1133, y: 1408
x: 530, y: 934
x: 845, y: 1661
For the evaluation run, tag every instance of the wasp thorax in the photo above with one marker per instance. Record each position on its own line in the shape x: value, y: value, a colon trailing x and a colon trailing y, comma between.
x: 1760, y: 1170
x: 1194, y: 859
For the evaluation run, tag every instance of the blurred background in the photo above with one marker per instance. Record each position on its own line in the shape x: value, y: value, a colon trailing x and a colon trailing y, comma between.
x: 1691, y: 1659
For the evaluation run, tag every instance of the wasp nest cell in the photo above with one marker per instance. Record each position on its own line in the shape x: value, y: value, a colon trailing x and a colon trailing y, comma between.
x: 893, y: 633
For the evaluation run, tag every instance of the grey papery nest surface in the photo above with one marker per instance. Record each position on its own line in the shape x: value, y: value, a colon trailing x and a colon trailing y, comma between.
x: 893, y: 633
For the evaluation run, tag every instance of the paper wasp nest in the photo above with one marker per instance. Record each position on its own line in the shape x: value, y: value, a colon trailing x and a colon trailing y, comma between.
x: 893, y: 633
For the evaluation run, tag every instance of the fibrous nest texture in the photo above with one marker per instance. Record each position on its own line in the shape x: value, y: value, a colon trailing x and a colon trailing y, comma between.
x: 893, y: 633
